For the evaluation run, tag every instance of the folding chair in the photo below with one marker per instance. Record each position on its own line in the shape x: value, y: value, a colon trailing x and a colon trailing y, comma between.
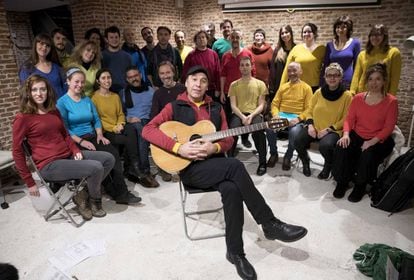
x: 184, y: 192
x: 6, y: 161
x: 58, y: 191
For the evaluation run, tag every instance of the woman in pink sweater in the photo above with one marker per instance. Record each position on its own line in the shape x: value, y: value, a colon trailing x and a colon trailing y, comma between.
x: 366, y: 141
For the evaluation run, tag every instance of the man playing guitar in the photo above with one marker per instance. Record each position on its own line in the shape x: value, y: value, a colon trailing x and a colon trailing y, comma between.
x: 209, y: 168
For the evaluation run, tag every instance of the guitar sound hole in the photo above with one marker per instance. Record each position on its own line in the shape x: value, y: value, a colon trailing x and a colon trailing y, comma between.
x: 195, y: 136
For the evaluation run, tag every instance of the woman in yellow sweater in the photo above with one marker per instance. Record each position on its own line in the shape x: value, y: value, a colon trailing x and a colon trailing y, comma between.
x: 325, y: 119
x: 377, y: 50
x: 109, y: 108
x: 310, y: 55
x: 87, y: 57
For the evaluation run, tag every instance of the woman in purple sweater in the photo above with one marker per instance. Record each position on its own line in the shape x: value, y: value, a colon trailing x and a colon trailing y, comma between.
x: 342, y: 49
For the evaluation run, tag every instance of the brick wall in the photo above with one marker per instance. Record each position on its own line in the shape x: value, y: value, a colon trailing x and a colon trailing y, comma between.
x: 135, y: 14
x: 8, y: 81
x: 396, y: 14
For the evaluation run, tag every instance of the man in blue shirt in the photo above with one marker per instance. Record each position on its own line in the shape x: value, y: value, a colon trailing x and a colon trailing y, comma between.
x: 137, y: 102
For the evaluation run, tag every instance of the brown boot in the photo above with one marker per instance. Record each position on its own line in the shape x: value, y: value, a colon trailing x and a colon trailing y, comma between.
x: 81, y: 201
x: 148, y: 181
x: 96, y: 207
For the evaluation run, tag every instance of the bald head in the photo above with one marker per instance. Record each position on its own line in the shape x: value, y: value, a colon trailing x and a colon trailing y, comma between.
x: 129, y: 36
x: 294, y: 71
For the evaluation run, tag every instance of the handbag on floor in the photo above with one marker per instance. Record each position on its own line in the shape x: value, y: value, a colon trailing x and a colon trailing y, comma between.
x: 372, y: 261
x: 394, y: 189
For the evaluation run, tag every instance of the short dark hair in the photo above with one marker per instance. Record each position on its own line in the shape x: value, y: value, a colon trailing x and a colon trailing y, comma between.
x: 261, y: 31
x: 313, y: 27
x: 146, y: 27
x: 58, y: 30
x: 112, y: 29
x: 198, y: 34
x: 349, y: 26
x: 95, y: 30
x: 129, y: 68
x: 164, y: 28
x: 224, y: 22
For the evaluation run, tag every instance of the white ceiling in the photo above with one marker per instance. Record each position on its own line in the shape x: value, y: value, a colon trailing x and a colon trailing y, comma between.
x: 33, y: 5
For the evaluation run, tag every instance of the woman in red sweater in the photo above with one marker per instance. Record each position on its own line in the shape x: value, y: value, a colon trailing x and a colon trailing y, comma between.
x: 262, y: 53
x: 367, y: 140
x: 53, y: 150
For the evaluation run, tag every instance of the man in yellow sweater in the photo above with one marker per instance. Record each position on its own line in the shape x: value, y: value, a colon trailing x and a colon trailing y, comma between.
x: 247, y: 99
x: 292, y: 100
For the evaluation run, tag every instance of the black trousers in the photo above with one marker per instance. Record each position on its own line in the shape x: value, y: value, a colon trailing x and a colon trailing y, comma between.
x: 230, y: 178
x: 115, y: 183
x: 352, y: 163
x: 326, y: 144
x: 259, y: 137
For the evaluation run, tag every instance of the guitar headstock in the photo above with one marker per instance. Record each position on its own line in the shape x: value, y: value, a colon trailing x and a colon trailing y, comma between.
x: 277, y: 124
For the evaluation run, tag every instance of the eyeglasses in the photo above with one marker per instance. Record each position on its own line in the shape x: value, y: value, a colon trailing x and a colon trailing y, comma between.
x: 332, y: 76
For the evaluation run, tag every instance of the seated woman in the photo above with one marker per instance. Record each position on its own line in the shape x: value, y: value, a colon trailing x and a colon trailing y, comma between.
x: 109, y: 107
x: 325, y: 119
x: 53, y: 151
x: 367, y: 140
x: 84, y: 126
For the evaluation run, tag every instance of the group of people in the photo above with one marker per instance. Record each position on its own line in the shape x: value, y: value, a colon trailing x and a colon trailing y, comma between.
x: 112, y: 99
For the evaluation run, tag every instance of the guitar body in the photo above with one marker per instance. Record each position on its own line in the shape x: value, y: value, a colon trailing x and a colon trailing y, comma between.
x: 182, y: 133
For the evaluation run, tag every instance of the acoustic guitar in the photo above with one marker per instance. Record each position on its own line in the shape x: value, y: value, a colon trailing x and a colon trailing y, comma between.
x: 204, y: 130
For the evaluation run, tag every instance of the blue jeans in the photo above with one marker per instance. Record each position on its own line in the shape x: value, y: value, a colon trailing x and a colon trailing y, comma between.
x: 272, y: 139
x: 143, y: 145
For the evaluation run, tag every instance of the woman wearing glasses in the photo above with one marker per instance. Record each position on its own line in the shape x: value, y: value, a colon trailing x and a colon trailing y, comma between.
x: 325, y: 119
x: 378, y: 50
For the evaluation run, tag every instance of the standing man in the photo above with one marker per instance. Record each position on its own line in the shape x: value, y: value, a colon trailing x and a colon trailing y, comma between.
x: 222, y: 45
x: 163, y: 51
x: 59, y: 37
x: 115, y: 59
x: 209, y: 168
x: 168, y: 92
x: 183, y: 50
x: 210, y: 29
x: 207, y: 58
x: 230, y: 72
x: 137, y: 101
x: 247, y: 96
x: 148, y: 35
x: 138, y: 57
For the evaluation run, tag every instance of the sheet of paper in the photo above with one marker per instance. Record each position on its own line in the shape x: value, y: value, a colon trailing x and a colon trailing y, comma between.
x: 52, y: 273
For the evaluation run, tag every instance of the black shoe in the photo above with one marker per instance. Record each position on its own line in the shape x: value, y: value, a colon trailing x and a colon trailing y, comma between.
x: 324, y: 174
x: 340, y: 190
x: 246, y: 143
x: 306, y: 167
x: 261, y: 170
x: 271, y: 162
x: 286, y: 164
x: 357, y: 193
x: 244, y: 268
x: 276, y: 229
x: 128, y: 198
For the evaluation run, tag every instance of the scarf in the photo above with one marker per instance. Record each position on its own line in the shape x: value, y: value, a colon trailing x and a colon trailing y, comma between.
x: 128, y: 97
x: 332, y: 95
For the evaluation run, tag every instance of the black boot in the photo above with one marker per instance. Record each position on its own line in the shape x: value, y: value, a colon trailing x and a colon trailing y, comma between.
x: 340, y: 189
x: 326, y: 171
x: 276, y: 229
x: 357, y: 193
x: 244, y: 268
x: 305, y: 161
x: 96, y: 207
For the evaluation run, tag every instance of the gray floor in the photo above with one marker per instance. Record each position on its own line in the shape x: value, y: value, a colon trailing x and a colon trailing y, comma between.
x: 148, y: 241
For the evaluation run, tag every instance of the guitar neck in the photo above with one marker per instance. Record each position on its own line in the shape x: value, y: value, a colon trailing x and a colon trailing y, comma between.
x: 212, y: 137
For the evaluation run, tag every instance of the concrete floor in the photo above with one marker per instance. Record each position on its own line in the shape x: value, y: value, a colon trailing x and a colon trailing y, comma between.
x: 148, y: 242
